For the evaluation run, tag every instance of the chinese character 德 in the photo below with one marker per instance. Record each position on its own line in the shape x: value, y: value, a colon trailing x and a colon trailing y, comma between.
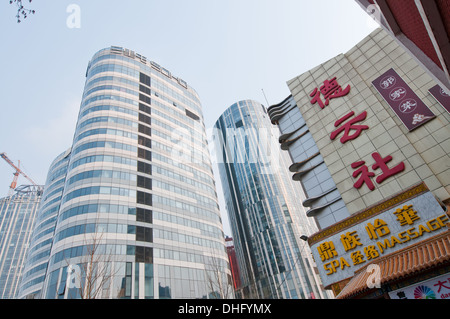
x: 349, y: 125
x: 377, y: 229
x: 406, y: 215
x: 330, y: 90
x: 327, y: 250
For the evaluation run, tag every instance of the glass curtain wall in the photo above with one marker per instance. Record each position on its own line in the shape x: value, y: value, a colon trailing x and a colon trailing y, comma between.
x: 264, y: 207
x: 138, y: 215
x: 17, y: 217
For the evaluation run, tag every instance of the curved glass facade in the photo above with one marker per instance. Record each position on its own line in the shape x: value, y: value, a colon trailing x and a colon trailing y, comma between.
x: 264, y: 206
x: 139, y: 202
x: 44, y: 227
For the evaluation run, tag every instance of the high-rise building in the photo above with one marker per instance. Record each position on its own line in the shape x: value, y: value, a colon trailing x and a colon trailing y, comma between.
x: 133, y: 210
x: 41, y: 241
x: 264, y: 207
x: 17, y: 216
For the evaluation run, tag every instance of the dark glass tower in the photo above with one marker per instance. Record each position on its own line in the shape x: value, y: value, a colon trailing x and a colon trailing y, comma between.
x: 264, y: 206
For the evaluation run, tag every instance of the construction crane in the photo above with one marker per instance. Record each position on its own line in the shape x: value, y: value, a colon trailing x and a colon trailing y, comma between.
x: 16, y: 174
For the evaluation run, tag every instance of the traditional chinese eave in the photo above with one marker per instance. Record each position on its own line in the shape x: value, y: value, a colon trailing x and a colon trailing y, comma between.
x: 410, y: 261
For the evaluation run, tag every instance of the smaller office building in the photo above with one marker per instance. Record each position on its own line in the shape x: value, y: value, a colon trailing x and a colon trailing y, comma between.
x: 17, y: 218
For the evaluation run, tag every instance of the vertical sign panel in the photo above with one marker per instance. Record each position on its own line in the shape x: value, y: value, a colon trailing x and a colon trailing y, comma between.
x: 442, y: 97
x: 402, y: 100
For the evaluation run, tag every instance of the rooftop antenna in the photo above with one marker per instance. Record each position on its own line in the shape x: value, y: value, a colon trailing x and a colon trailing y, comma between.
x: 265, y: 97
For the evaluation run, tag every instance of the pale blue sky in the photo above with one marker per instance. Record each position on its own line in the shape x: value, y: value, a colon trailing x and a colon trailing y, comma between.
x: 227, y: 50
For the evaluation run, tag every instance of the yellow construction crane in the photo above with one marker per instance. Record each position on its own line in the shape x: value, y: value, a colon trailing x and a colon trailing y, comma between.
x: 16, y: 174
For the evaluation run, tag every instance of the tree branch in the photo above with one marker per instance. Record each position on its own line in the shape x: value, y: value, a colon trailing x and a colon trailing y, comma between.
x: 21, y: 10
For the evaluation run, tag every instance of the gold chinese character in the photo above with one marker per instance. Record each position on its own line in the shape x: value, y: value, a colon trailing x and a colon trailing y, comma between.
x: 377, y: 229
x: 371, y: 252
x: 350, y: 240
x: 357, y: 258
x: 406, y: 215
x: 327, y: 250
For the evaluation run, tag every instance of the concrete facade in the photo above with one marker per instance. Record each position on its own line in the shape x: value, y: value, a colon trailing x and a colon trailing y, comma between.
x: 424, y: 151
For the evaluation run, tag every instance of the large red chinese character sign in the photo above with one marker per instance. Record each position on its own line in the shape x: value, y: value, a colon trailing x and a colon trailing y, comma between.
x: 330, y: 90
x: 349, y: 128
x: 380, y: 163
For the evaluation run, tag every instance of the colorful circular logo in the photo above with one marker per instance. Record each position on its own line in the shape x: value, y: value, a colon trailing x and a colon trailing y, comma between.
x: 424, y: 292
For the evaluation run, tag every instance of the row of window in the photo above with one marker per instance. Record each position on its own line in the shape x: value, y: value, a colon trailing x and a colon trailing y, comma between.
x: 172, y: 162
x: 96, y: 208
x: 201, y: 200
x: 114, y: 108
x: 108, y: 98
x: 106, y: 144
x: 161, y: 201
x: 110, y: 78
x: 113, y: 68
x: 142, y: 215
x: 205, y: 229
x: 102, y: 190
x: 41, y: 267
x: 110, y: 87
x: 144, y: 234
x: 106, y: 119
x: 185, y: 180
x: 159, y: 81
x: 50, y: 188
x: 107, y: 131
x: 187, y: 239
x: 147, y: 168
x: 103, y: 158
x: 102, y: 174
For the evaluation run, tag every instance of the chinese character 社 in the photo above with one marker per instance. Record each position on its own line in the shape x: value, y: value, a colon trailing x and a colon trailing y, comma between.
x: 365, y: 177
x: 380, y: 163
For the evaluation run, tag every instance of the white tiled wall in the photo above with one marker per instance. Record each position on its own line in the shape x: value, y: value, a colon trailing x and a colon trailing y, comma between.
x: 425, y: 151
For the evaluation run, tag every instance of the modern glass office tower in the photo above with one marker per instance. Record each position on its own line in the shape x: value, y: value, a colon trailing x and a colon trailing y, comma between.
x: 138, y: 215
x: 264, y: 206
x: 17, y: 217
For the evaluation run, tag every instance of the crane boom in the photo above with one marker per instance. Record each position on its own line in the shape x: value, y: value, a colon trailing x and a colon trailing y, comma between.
x: 16, y: 173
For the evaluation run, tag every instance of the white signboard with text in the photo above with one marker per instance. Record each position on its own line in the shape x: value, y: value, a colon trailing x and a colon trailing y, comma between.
x: 341, y: 253
x: 436, y: 288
